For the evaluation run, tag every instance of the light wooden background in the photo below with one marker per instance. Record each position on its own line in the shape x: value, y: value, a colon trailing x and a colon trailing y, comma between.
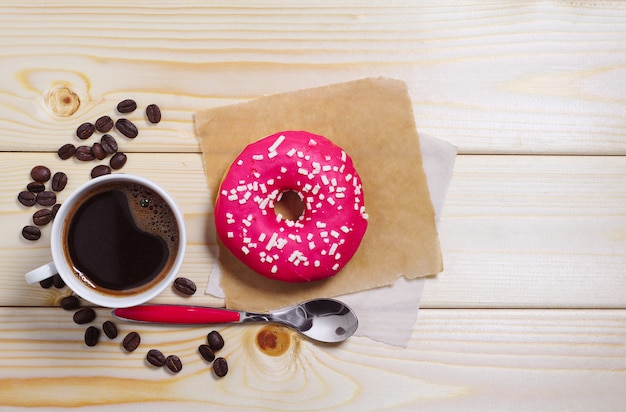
x: 530, y: 312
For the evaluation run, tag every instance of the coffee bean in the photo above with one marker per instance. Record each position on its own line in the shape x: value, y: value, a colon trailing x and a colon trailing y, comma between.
x: 98, y: 151
x: 220, y: 367
x: 42, y: 217
x: 40, y: 174
x: 174, y: 363
x: 127, y: 128
x: 153, y: 113
x: 55, y: 209
x: 155, y: 357
x: 110, y: 329
x: 131, y: 341
x: 70, y: 302
x: 109, y: 145
x: 118, y: 160
x: 58, y: 282
x: 59, y: 180
x: 92, y: 334
x: 100, y: 170
x: 84, y: 315
x: 215, y: 340
x: 104, y: 124
x: 85, y: 130
x: 46, y: 198
x: 31, y: 232
x: 66, y: 151
x: 185, y: 286
x: 35, y: 187
x: 46, y: 283
x: 84, y: 153
x: 27, y: 198
x: 206, y: 352
x: 126, y: 106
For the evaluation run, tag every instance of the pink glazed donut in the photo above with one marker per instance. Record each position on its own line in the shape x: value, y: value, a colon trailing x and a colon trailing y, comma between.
x: 313, y: 246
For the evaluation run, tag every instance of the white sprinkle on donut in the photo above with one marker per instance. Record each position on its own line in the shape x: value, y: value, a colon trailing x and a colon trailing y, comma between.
x: 323, y: 238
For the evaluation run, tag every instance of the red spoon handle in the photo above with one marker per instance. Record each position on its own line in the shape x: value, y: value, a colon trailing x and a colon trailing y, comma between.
x: 178, y: 314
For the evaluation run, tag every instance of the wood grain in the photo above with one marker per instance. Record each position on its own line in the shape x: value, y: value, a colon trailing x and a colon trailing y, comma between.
x: 533, y: 231
x: 506, y: 359
x: 489, y: 77
x: 516, y: 231
x: 532, y: 94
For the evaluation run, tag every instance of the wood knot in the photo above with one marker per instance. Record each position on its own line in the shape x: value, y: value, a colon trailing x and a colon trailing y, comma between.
x: 273, y: 340
x: 62, y: 101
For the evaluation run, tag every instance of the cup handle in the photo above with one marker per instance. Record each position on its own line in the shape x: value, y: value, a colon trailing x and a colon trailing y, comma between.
x: 41, y: 273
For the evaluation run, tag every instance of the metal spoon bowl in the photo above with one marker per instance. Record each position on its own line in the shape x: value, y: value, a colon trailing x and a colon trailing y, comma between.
x: 324, y: 320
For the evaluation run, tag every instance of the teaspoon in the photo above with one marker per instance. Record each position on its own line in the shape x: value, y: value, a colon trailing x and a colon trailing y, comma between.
x: 324, y: 320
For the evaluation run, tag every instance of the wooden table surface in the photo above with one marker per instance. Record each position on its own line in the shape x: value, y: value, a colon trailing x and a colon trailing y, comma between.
x: 530, y: 311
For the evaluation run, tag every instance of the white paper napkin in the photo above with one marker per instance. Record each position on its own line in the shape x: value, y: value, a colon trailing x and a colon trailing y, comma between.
x: 388, y: 314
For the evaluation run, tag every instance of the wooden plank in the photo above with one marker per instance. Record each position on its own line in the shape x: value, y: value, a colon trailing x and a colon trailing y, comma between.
x: 524, y: 359
x: 489, y: 77
x: 533, y: 231
x: 516, y: 231
x: 507, y: 359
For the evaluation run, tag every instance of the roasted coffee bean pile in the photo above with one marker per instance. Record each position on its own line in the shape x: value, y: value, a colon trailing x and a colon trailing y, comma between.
x: 132, y: 340
x: 55, y: 281
x: 156, y: 358
x: 215, y: 342
x: 107, y: 145
x: 84, y: 316
x: 37, y: 195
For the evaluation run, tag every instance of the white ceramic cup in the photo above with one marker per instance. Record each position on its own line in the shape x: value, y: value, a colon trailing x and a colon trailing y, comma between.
x: 60, y: 262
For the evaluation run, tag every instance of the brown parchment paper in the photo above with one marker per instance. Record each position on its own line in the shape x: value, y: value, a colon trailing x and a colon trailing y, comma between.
x: 373, y: 121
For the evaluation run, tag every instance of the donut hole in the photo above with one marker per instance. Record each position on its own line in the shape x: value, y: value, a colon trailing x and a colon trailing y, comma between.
x: 289, y: 205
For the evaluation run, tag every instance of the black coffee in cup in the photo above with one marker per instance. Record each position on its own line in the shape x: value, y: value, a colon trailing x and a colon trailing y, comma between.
x: 121, y: 238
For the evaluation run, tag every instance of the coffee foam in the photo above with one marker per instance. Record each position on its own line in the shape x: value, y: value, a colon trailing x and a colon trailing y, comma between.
x: 151, y: 213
